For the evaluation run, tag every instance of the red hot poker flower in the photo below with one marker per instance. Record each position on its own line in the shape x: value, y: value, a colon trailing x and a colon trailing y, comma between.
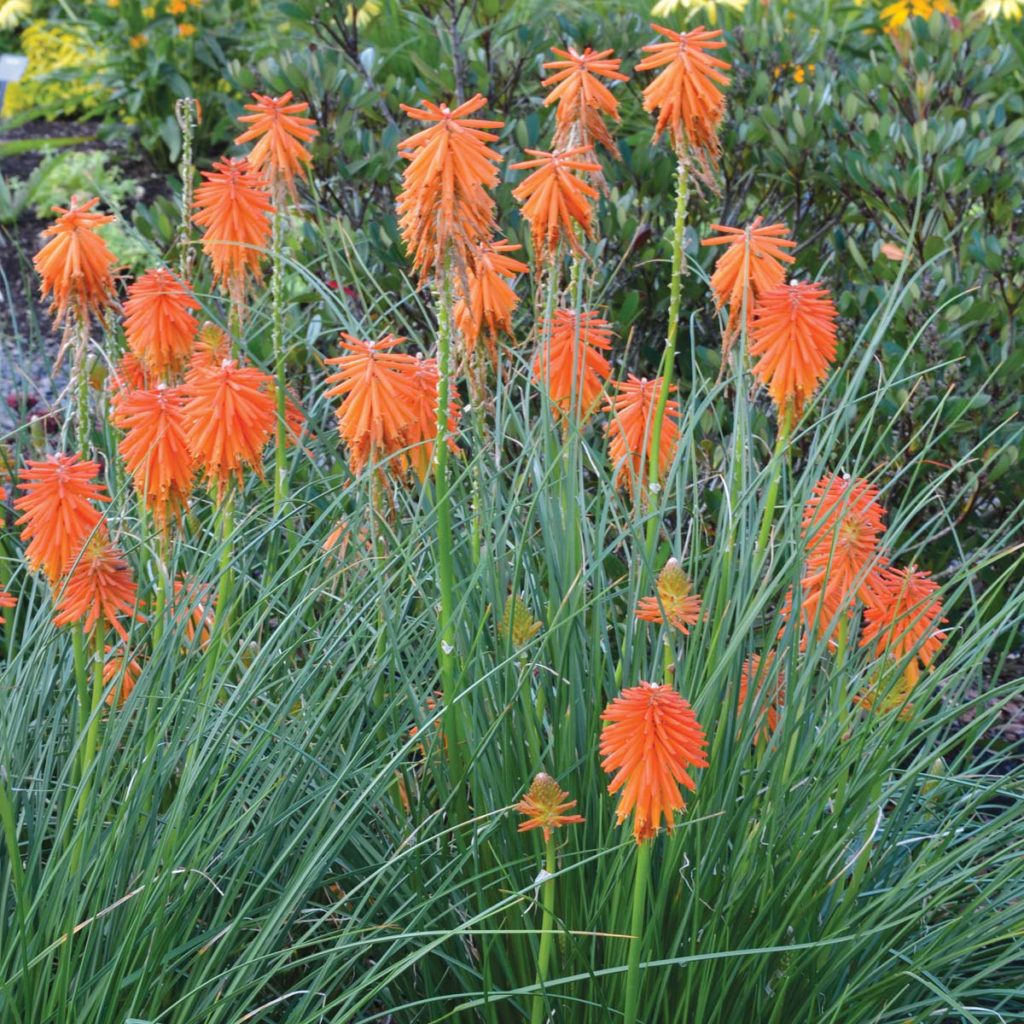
x: 158, y: 322
x: 280, y: 132
x: 545, y: 806
x: 675, y: 595
x: 631, y: 430
x: 574, y: 345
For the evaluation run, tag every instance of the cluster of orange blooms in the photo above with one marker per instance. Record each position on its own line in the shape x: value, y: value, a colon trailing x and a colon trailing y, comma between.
x: 188, y: 407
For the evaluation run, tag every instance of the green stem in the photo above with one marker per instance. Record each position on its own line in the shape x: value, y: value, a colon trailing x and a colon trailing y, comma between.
x: 445, y: 540
x: 93, y: 719
x: 778, y: 456
x: 547, y: 933
x: 185, y: 110
x: 668, y: 358
x: 636, y: 930
x: 277, y: 337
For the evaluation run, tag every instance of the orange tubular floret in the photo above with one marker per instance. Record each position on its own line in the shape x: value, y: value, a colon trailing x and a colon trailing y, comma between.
x: 650, y: 740
x: 158, y: 322
x: 58, y: 514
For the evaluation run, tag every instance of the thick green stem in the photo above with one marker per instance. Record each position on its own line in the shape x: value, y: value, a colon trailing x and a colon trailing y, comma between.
x: 277, y: 337
x: 668, y: 358
x: 636, y: 930
x: 93, y: 719
x: 445, y: 540
x: 186, y: 111
x: 547, y: 929
x: 778, y: 456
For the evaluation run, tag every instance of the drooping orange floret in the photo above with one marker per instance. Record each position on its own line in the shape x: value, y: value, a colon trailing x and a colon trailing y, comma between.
x: 125, y: 670
x: 751, y: 266
x: 58, y: 513
x: 6, y: 601
x: 842, y: 525
x: 75, y: 265
x: 905, y: 618
x: 234, y: 210
x: 99, y: 587
x: 193, y: 606
x: 630, y: 432
x: 422, y: 429
x: 545, y: 805
x: 230, y: 414
x: 650, y: 739
x: 379, y: 398
x: 158, y: 322
x: 444, y: 209
x: 487, y: 312
x: 770, y: 692
x: 281, y: 133
x: 794, y: 341
x: 569, y: 364
x: 685, y: 93
x: 583, y: 99
x: 681, y: 606
x: 555, y: 199
x: 155, y: 449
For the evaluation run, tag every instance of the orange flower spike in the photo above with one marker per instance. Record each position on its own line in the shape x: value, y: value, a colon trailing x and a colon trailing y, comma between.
x: 444, y: 209
x: 905, y: 617
x: 158, y: 322
x: 582, y: 97
x: 794, y: 342
x: 155, y: 449
x: 379, y: 399
x: 545, y: 805
x: 99, y: 587
x: 121, y: 667
x: 6, y: 601
x: 58, y: 510
x: 650, y: 740
x: 234, y: 211
x: 555, y: 200
x: 488, y: 310
x: 281, y: 133
x: 751, y: 266
x: 422, y: 429
x: 681, y: 606
x: 229, y: 416
x: 685, y: 93
x: 75, y: 265
x: 631, y: 429
x: 574, y: 341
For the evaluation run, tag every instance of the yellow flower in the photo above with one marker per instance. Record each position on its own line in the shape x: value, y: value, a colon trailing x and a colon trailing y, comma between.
x: 149, y: 13
x: 139, y: 41
x: 798, y: 74
x: 13, y: 13
x: 1013, y: 9
x: 707, y: 8
x: 363, y: 14
x: 177, y: 7
x: 185, y: 30
x: 900, y: 12
x: 113, y: 3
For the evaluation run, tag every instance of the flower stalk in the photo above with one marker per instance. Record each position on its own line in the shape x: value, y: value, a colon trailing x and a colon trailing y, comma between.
x: 641, y: 880
x: 547, y: 933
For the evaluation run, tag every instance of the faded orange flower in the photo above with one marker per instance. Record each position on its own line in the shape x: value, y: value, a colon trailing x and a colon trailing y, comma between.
x: 99, y: 587
x: 905, y: 618
x: 630, y: 432
x: 487, y: 311
x: 158, y: 322
x: 770, y: 691
x: 555, y: 199
x: 545, y: 806
x: 751, y: 266
x: 793, y: 338
x: 75, y: 265
x: 281, y: 133
x: 379, y: 399
x: 58, y: 510
x: 234, y: 211
x: 193, y: 606
x: 675, y: 595
x: 444, y: 209
x: 650, y: 740
x: 230, y: 414
x: 685, y: 93
x: 211, y: 346
x: 125, y: 670
x: 569, y: 364
x: 583, y: 99
x: 155, y: 450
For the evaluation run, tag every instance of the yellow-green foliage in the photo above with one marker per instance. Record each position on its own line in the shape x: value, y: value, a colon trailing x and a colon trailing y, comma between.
x: 51, y: 48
